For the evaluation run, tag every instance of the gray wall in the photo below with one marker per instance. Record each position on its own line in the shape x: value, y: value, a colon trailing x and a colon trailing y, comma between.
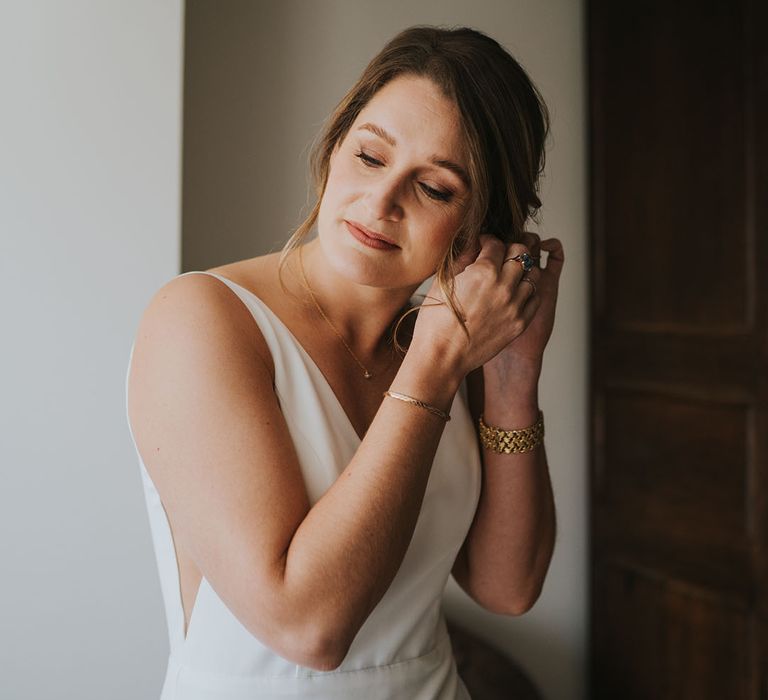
x: 259, y: 85
x: 90, y: 140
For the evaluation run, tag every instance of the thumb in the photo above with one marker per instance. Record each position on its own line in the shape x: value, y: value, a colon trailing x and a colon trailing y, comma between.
x: 555, y: 255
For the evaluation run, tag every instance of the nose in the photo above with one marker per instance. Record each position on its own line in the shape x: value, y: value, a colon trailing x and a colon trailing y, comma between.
x: 383, y: 199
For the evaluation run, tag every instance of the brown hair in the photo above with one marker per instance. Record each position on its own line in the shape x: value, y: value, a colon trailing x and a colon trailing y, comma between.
x: 504, y: 120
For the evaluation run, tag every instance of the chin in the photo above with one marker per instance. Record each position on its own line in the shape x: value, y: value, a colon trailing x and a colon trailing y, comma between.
x: 347, y: 259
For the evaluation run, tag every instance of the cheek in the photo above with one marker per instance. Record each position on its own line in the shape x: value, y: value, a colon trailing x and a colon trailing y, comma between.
x: 443, y: 228
x: 434, y: 243
x: 332, y: 194
x: 339, y: 193
x: 342, y: 175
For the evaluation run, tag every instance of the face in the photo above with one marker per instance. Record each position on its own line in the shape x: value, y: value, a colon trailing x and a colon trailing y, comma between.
x: 400, y: 173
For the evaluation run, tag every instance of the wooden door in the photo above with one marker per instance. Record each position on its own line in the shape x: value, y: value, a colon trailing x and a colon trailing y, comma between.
x: 679, y: 365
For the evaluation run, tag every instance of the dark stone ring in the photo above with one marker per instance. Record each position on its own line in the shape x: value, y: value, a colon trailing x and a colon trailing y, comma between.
x: 526, y: 261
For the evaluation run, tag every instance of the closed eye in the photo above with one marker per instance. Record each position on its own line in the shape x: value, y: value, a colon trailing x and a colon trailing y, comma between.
x: 435, y: 194
x: 432, y: 193
x: 370, y: 162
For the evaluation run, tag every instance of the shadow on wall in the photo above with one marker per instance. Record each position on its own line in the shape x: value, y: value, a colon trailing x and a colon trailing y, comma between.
x: 487, y: 673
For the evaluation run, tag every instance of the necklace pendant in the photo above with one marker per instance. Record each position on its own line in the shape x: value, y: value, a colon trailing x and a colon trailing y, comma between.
x: 366, y: 373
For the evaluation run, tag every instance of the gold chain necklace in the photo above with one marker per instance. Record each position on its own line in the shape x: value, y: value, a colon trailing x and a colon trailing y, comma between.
x: 366, y: 373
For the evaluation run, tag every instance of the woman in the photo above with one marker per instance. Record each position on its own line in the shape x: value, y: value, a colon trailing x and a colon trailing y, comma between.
x: 311, y: 484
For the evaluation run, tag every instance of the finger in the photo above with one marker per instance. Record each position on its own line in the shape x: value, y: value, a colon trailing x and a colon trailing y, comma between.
x: 530, y: 308
x: 555, y: 254
x: 512, y: 270
x: 532, y: 241
x: 492, y: 249
x: 527, y: 287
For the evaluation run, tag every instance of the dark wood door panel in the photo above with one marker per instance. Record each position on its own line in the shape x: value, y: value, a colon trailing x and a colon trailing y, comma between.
x: 660, y: 636
x: 678, y: 466
x: 672, y: 488
x: 673, y: 114
x: 724, y: 366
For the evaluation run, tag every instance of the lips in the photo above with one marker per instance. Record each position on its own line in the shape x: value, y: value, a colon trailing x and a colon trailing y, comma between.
x: 372, y: 234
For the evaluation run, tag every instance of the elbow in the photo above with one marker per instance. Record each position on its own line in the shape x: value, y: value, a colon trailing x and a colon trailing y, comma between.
x: 300, y: 634
x: 524, y: 603
x: 514, y: 608
x: 510, y: 605
x: 318, y: 649
x: 508, y: 609
x: 523, y: 606
x: 301, y: 630
x: 328, y: 653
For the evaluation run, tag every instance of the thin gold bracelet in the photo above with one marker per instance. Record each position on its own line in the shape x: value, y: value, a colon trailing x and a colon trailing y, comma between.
x: 409, y: 399
x: 512, y: 441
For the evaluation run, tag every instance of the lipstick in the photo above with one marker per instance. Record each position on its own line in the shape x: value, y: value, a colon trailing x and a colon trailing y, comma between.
x: 370, y: 241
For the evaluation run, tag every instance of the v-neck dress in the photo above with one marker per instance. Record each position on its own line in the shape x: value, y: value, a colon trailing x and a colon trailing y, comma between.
x: 402, y: 651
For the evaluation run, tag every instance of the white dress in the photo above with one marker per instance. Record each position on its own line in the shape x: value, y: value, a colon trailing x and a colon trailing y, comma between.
x: 403, y: 650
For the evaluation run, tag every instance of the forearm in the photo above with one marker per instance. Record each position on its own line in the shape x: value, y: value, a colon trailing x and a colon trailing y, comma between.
x: 512, y: 539
x: 350, y: 545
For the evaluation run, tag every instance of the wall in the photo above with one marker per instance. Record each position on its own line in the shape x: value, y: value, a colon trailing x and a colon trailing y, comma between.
x: 258, y: 86
x: 90, y: 140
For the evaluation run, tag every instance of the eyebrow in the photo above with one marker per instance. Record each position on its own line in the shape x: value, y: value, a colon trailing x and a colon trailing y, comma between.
x: 440, y: 162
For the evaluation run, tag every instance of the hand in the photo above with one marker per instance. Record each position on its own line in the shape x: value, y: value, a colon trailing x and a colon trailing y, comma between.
x: 496, y: 305
x: 524, y: 354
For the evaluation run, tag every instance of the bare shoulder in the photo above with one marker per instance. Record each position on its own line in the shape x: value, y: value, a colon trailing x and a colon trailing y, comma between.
x: 195, y: 331
x: 194, y: 303
x: 261, y: 277
x: 258, y: 275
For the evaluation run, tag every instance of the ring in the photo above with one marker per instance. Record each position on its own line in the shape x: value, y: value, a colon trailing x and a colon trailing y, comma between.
x: 531, y: 282
x: 526, y: 261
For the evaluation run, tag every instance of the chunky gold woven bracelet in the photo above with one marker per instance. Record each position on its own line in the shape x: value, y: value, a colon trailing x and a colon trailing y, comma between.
x: 512, y: 441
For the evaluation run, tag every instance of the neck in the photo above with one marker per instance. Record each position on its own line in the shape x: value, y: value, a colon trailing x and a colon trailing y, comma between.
x: 364, y: 315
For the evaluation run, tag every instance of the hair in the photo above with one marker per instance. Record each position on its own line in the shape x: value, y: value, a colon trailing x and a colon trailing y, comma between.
x: 504, y: 123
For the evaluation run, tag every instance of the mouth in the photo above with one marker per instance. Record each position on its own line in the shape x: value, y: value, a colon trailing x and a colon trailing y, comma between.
x: 372, y: 238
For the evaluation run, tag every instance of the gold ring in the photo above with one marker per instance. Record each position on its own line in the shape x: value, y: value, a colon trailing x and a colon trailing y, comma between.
x: 531, y: 282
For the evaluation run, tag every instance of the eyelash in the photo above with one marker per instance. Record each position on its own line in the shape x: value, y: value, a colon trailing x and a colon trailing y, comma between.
x: 437, y: 195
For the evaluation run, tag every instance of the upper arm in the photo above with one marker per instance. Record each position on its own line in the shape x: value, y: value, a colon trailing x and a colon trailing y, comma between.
x: 210, y: 432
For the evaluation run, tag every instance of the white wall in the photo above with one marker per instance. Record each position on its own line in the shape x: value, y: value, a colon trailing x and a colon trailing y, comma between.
x: 89, y: 228
x: 259, y: 85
